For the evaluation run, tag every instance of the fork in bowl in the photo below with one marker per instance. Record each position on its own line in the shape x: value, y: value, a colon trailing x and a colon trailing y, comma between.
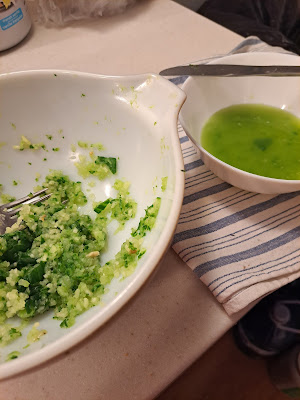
x: 9, y: 211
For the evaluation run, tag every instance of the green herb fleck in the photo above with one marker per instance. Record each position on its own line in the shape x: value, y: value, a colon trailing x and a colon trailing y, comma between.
x: 6, y: 198
x: 13, y: 125
x: 101, y: 206
x: 164, y: 182
x: 111, y: 162
x: 98, y: 146
x: 12, y: 355
x: 15, y: 183
x: 82, y: 95
x: 55, y: 149
x: 25, y: 144
x: 29, y: 163
x: 49, y: 137
x: 263, y: 143
x: 148, y: 221
x: 83, y: 145
x: 141, y: 253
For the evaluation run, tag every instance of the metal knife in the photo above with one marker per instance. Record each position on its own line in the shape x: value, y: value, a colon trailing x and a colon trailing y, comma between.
x: 230, y: 70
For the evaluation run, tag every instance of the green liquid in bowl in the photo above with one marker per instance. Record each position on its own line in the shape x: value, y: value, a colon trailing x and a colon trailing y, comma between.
x: 259, y: 139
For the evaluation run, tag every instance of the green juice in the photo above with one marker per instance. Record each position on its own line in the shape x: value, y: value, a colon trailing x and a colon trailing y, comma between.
x: 256, y: 138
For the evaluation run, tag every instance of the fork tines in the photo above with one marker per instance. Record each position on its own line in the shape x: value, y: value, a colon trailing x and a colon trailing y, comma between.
x: 9, y: 208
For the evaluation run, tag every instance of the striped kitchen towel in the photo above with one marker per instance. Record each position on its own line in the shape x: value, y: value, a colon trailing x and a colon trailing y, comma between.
x: 241, y: 245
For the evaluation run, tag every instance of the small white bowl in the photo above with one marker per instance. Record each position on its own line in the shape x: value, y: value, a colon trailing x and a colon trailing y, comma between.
x: 135, y: 118
x: 206, y: 95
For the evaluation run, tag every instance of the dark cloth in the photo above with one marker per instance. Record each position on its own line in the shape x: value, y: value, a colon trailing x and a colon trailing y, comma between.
x: 276, y: 22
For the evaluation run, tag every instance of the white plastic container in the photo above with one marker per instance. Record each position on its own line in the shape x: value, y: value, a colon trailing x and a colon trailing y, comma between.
x: 15, y: 23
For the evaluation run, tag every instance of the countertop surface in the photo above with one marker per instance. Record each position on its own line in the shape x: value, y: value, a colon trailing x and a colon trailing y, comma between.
x: 174, y: 319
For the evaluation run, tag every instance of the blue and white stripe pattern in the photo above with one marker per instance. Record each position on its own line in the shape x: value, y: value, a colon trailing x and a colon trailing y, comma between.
x: 242, y: 245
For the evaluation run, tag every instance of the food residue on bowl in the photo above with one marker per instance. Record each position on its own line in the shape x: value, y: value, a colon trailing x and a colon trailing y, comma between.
x: 98, y: 166
x: 12, y: 355
x: 35, y: 334
x: 255, y: 138
x: 5, y: 198
x: 25, y: 144
x: 51, y: 258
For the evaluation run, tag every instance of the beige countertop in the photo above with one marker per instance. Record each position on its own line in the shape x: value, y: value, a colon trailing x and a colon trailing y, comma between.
x: 174, y: 318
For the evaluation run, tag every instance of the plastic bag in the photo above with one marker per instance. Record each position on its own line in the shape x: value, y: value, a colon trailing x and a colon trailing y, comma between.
x: 276, y: 22
x: 61, y: 12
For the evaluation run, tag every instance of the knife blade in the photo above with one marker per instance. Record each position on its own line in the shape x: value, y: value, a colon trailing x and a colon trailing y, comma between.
x: 230, y: 70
